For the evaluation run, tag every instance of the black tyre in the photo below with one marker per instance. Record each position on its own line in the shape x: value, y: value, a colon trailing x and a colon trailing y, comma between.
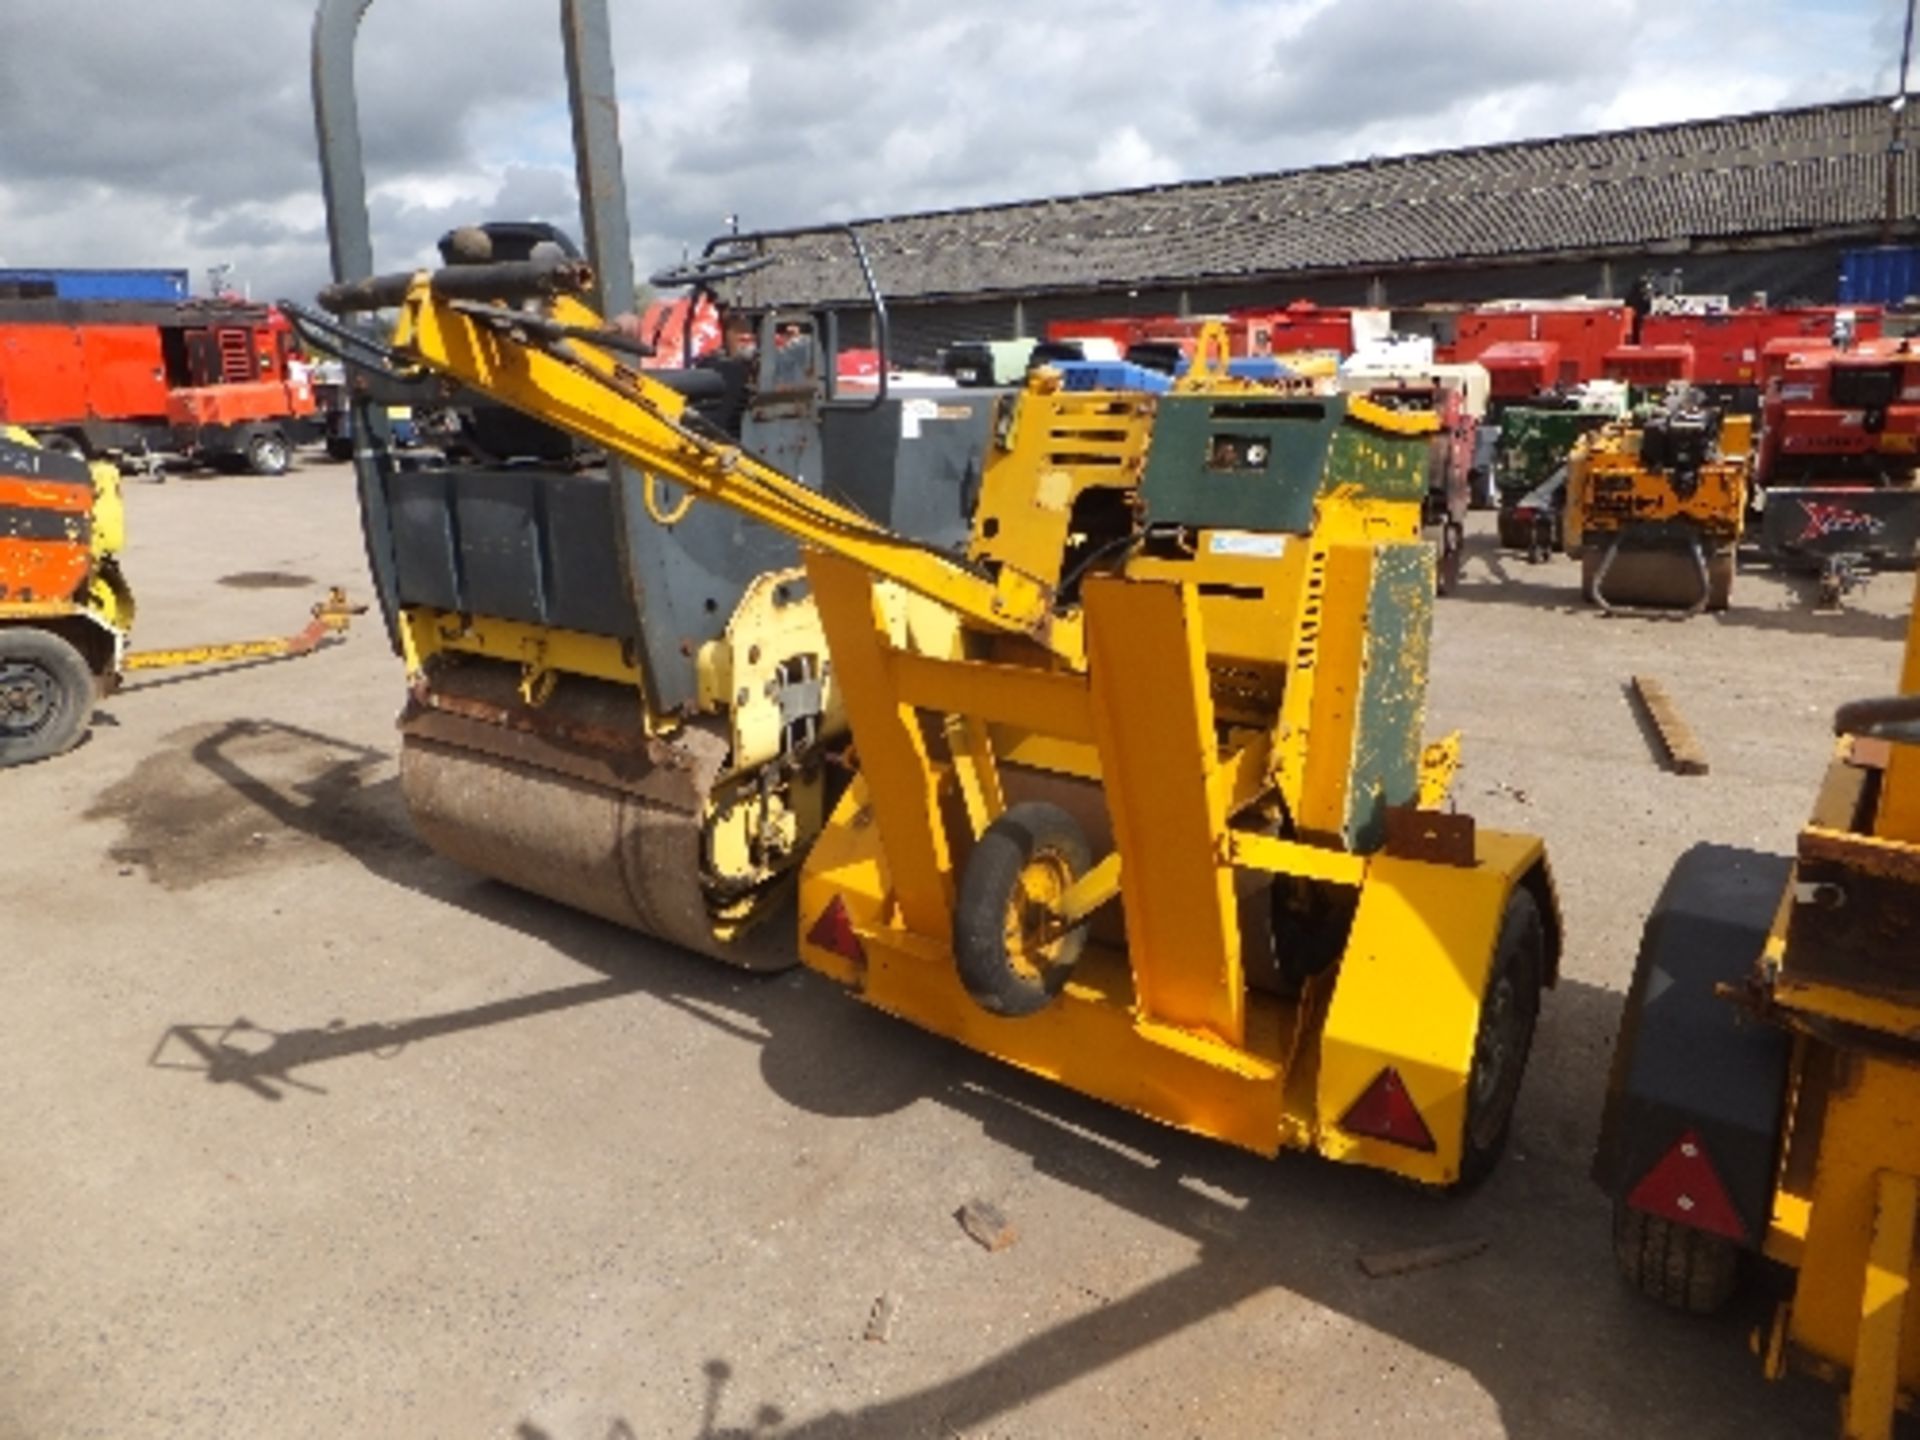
x: 46, y: 695
x: 63, y: 444
x: 269, y: 454
x: 1013, y: 959
x: 1509, y: 1011
x: 339, y: 447
x: 1682, y: 1268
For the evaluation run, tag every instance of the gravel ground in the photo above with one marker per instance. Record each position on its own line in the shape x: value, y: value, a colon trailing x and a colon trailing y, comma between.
x: 310, y: 1133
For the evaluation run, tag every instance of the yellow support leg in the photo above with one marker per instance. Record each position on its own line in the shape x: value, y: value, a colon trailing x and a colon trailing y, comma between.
x: 893, y: 753
x: 1158, y: 758
x: 1883, y: 1309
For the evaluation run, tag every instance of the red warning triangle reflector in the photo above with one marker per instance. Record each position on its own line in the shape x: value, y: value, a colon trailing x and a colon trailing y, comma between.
x: 1385, y: 1111
x: 834, y: 931
x: 1684, y: 1187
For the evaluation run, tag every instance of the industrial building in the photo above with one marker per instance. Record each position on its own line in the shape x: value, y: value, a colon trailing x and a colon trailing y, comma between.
x: 1769, y: 202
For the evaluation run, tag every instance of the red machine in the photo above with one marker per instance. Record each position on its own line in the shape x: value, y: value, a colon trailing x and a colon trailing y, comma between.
x: 1729, y: 346
x: 1518, y: 370
x: 1840, y: 457
x: 1299, y: 326
x: 1582, y: 335
x: 1650, y: 367
x: 1842, y: 415
x: 215, y: 380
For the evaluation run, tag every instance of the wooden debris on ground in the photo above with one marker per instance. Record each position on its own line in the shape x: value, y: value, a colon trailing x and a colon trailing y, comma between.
x: 1685, y: 756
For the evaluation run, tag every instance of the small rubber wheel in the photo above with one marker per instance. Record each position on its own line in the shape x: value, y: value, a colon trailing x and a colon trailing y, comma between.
x: 339, y: 447
x: 63, y: 444
x: 1682, y: 1268
x: 269, y: 454
x: 1013, y: 959
x: 1509, y: 1011
x: 46, y: 695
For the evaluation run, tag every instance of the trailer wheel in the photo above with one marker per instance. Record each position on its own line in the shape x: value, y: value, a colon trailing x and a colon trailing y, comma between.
x: 62, y: 443
x: 1509, y: 1010
x: 1010, y: 960
x: 269, y: 454
x: 1682, y: 1268
x: 46, y: 695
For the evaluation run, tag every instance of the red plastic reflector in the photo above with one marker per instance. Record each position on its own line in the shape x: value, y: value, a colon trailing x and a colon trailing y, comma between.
x: 1385, y: 1111
x: 1684, y: 1187
x: 834, y: 931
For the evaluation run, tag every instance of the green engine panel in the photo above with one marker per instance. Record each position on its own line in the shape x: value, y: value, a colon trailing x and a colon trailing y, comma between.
x: 1258, y: 462
x: 1393, y: 692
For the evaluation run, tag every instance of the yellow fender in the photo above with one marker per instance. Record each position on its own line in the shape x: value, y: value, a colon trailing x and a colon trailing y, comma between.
x: 1407, y: 996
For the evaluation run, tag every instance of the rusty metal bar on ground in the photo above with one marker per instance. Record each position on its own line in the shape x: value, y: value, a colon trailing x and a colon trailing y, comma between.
x: 331, y: 617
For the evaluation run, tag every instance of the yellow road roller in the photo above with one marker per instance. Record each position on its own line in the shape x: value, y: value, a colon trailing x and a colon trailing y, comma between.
x: 1655, y: 508
x: 1138, y: 796
x: 616, y: 699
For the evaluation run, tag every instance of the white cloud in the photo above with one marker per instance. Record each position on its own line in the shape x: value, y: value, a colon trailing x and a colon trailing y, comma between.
x: 182, y: 134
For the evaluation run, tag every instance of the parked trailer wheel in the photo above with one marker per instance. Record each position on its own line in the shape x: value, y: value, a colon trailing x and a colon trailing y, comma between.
x: 1509, y: 1012
x: 46, y: 695
x: 1682, y: 1268
x: 269, y: 454
x: 1011, y: 960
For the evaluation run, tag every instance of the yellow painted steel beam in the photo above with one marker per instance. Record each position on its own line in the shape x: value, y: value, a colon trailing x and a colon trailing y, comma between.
x: 330, y: 621
x: 1899, y: 817
x: 1883, y: 1309
x: 591, y: 395
x: 1159, y: 757
x: 1290, y: 857
x: 1049, y: 702
x: 901, y: 776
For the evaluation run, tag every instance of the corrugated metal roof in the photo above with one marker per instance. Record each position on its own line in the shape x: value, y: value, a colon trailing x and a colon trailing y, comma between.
x: 1818, y: 170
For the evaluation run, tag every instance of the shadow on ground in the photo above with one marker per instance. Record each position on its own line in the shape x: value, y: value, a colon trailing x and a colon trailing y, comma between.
x: 1538, y: 1320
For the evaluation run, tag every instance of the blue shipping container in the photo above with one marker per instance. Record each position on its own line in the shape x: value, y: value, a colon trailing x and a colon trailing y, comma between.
x: 1885, y: 275
x: 67, y: 284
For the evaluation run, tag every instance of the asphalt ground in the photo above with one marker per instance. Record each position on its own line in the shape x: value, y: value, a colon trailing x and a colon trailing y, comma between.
x: 310, y: 1133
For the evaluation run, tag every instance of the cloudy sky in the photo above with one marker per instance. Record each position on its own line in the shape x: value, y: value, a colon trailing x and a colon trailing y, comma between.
x: 137, y: 132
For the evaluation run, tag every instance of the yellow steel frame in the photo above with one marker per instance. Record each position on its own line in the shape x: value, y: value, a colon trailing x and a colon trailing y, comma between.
x: 1844, y: 1210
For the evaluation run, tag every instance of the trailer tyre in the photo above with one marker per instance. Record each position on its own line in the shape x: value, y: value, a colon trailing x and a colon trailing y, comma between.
x: 46, y: 695
x: 1682, y: 1268
x: 1012, y: 961
x: 1509, y: 1011
x: 269, y: 454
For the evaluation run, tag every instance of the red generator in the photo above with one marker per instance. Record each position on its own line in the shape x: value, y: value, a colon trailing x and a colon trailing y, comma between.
x: 1583, y: 334
x: 1730, y: 346
x: 213, y: 380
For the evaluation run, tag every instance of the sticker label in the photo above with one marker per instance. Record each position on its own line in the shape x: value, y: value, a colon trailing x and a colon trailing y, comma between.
x: 1245, y: 542
x: 913, y: 413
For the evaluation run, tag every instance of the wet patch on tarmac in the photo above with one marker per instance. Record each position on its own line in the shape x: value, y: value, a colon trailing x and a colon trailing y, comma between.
x: 215, y: 801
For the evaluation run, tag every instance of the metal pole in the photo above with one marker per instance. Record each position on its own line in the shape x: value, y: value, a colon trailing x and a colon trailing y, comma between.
x: 1896, y: 142
x: 596, y: 151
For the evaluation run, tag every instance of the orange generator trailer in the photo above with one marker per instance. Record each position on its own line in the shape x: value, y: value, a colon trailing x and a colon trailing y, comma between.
x: 218, y: 381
